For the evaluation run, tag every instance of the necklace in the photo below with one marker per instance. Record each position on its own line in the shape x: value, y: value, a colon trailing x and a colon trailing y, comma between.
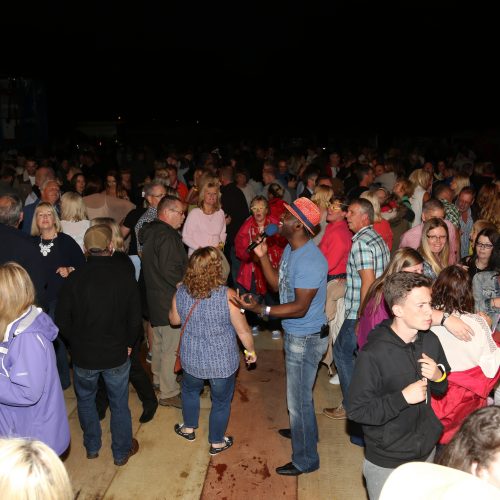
x: 45, y: 248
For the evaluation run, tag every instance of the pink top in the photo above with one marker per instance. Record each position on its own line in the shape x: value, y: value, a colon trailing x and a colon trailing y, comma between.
x: 335, y: 246
x: 371, y: 318
x: 202, y: 230
x: 413, y: 236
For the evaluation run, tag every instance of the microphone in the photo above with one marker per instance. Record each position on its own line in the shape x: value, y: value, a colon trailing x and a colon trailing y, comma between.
x: 269, y: 230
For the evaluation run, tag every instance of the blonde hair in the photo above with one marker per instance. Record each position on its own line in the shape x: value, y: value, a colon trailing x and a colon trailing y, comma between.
x: 371, y: 196
x: 17, y: 293
x: 30, y: 470
x: 57, y: 222
x: 209, y: 182
x: 441, y: 261
x: 72, y: 207
x: 322, y: 196
x: 116, y: 236
x: 421, y: 178
x: 461, y: 181
x: 204, y: 273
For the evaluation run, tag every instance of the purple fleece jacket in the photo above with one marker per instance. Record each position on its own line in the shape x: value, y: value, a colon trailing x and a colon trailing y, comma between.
x: 31, y: 398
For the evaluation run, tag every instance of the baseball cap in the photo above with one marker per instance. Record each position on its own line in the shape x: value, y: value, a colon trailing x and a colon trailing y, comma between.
x: 97, y: 238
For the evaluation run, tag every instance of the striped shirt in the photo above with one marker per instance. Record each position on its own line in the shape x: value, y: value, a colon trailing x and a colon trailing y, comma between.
x: 368, y: 251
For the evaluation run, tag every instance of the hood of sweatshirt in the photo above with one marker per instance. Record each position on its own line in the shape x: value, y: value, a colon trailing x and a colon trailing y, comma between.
x: 384, y: 333
x: 33, y: 318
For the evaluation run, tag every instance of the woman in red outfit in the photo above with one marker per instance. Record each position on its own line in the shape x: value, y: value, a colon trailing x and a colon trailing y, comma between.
x: 251, y: 277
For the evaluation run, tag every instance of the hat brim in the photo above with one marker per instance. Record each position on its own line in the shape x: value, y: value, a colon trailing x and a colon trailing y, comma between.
x: 298, y: 217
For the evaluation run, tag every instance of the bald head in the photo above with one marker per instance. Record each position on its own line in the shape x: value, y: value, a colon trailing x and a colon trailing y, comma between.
x: 43, y: 174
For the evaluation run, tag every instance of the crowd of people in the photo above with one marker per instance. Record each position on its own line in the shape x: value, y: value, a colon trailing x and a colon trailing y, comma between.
x: 385, y: 267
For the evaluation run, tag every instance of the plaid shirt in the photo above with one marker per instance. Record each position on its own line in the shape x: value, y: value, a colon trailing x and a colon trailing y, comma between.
x: 451, y: 213
x: 368, y: 251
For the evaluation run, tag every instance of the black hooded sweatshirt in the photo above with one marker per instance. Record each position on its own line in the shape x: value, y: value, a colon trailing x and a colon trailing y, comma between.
x: 395, y: 432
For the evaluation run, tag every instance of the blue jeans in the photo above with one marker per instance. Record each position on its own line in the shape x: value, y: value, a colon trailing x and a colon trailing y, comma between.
x: 116, y: 380
x: 221, y: 391
x: 302, y: 357
x: 343, y: 354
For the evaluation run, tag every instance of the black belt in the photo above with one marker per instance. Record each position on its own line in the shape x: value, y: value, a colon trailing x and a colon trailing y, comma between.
x: 331, y: 277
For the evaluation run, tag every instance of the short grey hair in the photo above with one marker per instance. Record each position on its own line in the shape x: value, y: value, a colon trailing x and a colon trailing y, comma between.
x: 11, y: 207
x: 366, y: 208
x: 46, y: 182
x: 148, y: 188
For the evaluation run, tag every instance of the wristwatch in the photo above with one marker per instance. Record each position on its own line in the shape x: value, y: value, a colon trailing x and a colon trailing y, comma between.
x: 444, y: 318
x: 265, y: 311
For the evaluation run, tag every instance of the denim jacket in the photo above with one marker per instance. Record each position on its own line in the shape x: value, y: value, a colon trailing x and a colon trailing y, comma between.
x: 485, y: 286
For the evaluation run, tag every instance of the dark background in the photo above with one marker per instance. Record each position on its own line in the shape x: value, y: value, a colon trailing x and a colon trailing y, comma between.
x: 421, y: 69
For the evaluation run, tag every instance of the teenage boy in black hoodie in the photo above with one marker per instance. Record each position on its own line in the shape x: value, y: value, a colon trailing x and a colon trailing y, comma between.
x: 394, y: 375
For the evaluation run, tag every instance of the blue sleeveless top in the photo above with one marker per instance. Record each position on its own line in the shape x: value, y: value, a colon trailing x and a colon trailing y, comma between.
x: 208, y: 347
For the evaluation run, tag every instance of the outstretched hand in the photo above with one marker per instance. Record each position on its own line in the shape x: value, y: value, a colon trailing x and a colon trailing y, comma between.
x: 246, y: 301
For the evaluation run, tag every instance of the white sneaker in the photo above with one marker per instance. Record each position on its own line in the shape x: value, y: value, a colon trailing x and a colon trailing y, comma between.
x: 335, y: 379
x: 276, y: 335
x: 255, y: 331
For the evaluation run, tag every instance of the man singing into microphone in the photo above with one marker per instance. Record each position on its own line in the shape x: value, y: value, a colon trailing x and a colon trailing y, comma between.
x: 301, y: 281
x: 250, y: 276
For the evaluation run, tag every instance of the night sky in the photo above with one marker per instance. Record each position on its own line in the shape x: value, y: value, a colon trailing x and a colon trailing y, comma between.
x: 422, y: 67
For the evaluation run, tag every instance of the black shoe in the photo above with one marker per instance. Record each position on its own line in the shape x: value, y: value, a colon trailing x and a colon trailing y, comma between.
x: 286, y: 433
x: 92, y: 455
x: 148, y: 414
x: 190, y: 436
x: 228, y: 442
x: 288, y: 470
x: 133, y: 450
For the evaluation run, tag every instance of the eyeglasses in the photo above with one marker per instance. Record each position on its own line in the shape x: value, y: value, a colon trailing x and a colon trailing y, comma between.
x: 157, y: 195
x: 180, y: 212
x: 436, y: 238
x: 258, y: 209
x: 484, y: 246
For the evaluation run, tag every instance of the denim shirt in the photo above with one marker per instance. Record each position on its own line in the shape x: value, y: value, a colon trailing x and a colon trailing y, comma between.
x: 485, y: 286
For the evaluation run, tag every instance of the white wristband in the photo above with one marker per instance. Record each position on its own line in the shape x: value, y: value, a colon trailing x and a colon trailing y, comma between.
x: 268, y: 310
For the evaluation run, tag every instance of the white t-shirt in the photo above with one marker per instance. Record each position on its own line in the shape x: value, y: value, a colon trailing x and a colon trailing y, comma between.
x: 76, y: 230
